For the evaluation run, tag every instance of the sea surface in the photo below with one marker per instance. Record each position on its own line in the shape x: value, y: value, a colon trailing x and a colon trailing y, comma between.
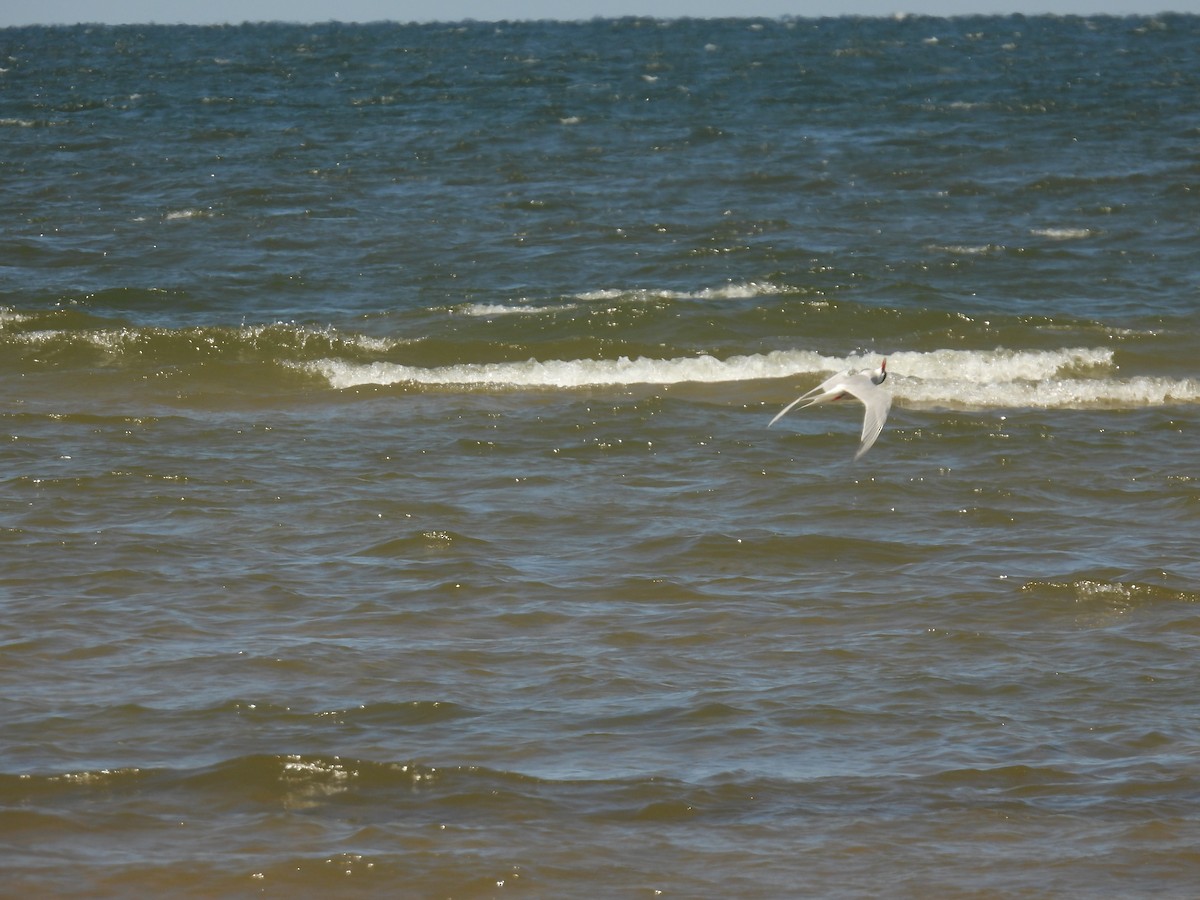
x: 387, y: 500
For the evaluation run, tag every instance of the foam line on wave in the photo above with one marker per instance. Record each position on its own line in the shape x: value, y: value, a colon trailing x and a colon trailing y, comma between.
x: 573, y: 373
x: 1063, y: 378
x: 208, y: 341
x: 1067, y: 393
x: 989, y: 366
x: 733, y: 291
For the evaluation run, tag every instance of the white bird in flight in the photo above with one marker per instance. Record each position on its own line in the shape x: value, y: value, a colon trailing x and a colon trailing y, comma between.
x: 862, y: 386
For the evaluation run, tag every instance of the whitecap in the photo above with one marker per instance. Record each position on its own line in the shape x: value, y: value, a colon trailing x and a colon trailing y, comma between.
x: 968, y: 249
x: 733, y: 291
x: 533, y: 373
x: 997, y: 366
x: 1079, y: 393
x: 1063, y: 234
x: 491, y: 310
x: 177, y: 215
x: 118, y: 341
x: 1066, y: 378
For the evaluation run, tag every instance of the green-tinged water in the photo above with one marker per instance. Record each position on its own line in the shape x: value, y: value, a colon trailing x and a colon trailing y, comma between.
x: 388, y: 503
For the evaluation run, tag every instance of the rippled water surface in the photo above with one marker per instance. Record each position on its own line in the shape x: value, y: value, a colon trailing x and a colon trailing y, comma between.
x: 389, y: 507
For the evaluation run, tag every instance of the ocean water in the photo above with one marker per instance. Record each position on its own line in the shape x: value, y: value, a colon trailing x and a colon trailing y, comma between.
x: 388, y: 503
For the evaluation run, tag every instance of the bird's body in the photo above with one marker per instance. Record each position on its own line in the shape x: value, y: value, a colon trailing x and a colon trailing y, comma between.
x: 863, y: 386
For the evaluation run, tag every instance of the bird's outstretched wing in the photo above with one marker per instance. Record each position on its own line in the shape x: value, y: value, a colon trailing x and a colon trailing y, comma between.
x: 876, y: 401
x: 830, y: 389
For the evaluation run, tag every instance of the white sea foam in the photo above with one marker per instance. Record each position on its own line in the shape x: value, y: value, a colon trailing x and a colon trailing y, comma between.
x: 492, y: 310
x: 126, y: 339
x: 559, y: 373
x: 1070, y: 393
x: 35, y: 338
x: 1063, y: 234
x: 998, y: 366
x: 179, y: 215
x: 738, y: 291
x: 968, y: 249
x: 986, y: 379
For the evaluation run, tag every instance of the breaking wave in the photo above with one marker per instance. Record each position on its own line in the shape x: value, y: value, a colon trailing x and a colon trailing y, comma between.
x: 433, y: 354
x: 1063, y: 379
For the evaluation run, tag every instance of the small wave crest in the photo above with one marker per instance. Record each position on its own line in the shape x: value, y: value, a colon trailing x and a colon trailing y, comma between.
x: 1116, y: 594
x: 533, y: 373
x: 1063, y: 234
x: 492, y: 310
x: 11, y: 317
x: 21, y: 333
x: 732, y: 291
x: 1067, y: 378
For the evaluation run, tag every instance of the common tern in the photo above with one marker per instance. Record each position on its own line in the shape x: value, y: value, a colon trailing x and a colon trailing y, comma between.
x: 863, y: 386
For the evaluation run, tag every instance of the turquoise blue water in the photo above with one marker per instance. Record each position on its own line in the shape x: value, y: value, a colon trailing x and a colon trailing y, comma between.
x: 389, y: 506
